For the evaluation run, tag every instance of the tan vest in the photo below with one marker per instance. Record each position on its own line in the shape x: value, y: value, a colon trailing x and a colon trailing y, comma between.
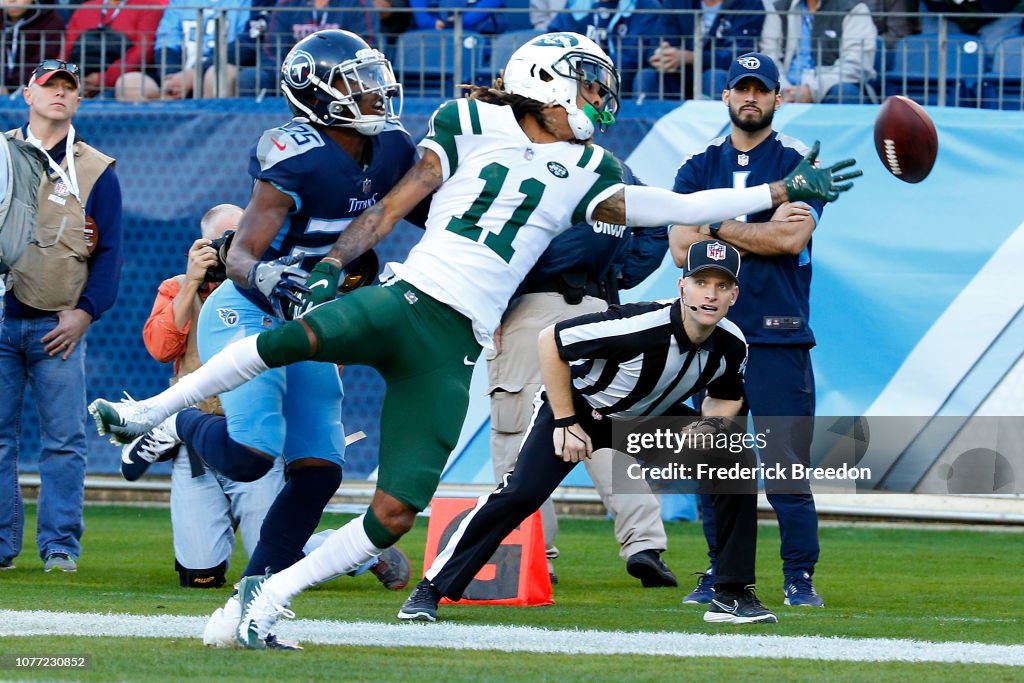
x: 190, y: 361
x: 51, y: 274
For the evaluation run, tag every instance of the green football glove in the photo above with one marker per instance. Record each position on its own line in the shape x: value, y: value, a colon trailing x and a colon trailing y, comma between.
x: 807, y: 182
x: 322, y: 285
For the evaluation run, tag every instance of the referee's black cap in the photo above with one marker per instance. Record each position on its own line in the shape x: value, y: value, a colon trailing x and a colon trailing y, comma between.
x: 713, y: 254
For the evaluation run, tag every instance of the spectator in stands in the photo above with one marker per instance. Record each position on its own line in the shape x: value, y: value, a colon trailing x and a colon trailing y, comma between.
x: 107, y: 38
x: 392, y: 24
x: 179, y: 52
x: 66, y: 279
x: 825, y: 48
x: 725, y: 37
x: 475, y: 17
x: 543, y: 12
x: 292, y: 21
x: 989, y: 29
x: 892, y: 28
x: 623, y: 34
x: 30, y: 35
x: 206, y: 507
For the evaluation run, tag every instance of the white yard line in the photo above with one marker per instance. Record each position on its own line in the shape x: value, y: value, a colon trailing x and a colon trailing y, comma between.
x: 528, y: 639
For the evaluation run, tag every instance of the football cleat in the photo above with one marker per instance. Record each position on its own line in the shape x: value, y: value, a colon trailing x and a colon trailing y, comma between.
x: 421, y: 605
x: 738, y: 608
x: 392, y: 569
x: 259, y: 614
x: 158, y: 445
x: 123, y: 421
x: 221, y: 627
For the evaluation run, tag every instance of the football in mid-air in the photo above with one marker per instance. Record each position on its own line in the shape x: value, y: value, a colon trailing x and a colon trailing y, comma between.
x: 905, y: 139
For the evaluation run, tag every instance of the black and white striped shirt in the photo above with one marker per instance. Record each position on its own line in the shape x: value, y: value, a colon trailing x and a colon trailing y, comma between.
x: 636, y: 360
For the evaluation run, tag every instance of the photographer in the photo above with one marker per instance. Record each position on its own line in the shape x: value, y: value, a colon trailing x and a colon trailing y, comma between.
x: 205, y: 506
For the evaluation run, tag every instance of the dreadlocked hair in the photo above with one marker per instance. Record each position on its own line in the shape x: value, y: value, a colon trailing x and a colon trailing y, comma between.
x: 521, y: 105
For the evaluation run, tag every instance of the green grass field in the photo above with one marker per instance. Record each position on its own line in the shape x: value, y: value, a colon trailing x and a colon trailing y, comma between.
x: 917, y: 584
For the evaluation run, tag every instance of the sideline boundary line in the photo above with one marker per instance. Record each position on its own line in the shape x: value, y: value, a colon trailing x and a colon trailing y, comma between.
x: 527, y: 639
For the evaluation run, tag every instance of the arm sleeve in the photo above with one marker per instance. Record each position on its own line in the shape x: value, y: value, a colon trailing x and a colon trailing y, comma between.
x: 655, y: 206
x: 163, y: 340
x: 104, y: 206
x: 646, y: 251
x: 609, y: 180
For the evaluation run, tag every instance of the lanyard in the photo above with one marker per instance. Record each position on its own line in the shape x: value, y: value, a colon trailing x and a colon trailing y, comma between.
x: 70, y: 177
x: 12, y: 53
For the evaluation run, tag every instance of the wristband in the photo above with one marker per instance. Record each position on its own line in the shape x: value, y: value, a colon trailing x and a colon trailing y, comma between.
x: 332, y: 261
x: 714, y: 228
x: 561, y: 422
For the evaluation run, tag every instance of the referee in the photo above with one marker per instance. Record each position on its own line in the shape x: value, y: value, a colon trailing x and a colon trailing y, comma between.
x: 631, y: 361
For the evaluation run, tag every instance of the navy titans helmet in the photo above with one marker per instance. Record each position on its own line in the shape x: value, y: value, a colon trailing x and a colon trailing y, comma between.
x: 327, y: 73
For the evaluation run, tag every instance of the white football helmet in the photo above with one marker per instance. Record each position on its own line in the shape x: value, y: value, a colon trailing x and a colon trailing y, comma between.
x: 550, y: 69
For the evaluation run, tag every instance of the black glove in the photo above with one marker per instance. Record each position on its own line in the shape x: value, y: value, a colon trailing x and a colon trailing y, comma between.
x: 280, y: 281
x: 807, y: 182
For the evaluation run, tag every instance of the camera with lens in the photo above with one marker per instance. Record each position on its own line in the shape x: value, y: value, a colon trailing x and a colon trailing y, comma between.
x: 219, y: 272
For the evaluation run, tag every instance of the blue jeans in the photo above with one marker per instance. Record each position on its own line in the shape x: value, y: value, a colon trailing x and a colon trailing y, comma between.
x: 58, y: 387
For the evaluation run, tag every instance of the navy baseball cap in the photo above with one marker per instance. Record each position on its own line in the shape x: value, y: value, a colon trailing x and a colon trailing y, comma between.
x: 755, y: 64
x: 713, y: 254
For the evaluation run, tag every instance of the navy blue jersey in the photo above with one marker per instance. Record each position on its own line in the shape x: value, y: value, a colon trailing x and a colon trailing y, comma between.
x: 774, y: 302
x: 328, y: 186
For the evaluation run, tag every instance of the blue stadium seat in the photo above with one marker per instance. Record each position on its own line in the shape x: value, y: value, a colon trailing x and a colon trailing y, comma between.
x: 502, y: 48
x: 914, y: 69
x: 1003, y: 87
x: 517, y: 21
x: 424, y: 61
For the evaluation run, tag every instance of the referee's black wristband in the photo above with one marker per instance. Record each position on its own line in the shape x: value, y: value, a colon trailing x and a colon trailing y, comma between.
x: 565, y: 421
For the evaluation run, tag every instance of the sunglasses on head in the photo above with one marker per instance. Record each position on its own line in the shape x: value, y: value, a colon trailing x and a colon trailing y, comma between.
x: 57, y: 65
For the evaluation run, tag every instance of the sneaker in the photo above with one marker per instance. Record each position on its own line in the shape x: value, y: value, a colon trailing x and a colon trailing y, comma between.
x: 122, y: 421
x: 421, y: 605
x: 799, y: 592
x: 6, y: 564
x: 220, y: 628
x: 738, y: 608
x: 648, y: 566
x: 392, y: 569
x: 259, y: 614
x: 157, y: 445
x: 705, y: 590
x: 60, y: 561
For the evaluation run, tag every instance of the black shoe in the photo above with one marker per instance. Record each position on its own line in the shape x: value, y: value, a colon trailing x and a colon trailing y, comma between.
x: 421, y: 605
x: 648, y: 566
x: 738, y: 608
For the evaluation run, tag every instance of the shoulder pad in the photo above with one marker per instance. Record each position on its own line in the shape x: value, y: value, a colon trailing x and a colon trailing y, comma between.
x: 287, y: 141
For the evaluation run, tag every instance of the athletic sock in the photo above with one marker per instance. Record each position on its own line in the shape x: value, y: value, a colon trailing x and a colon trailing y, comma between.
x: 292, y: 518
x: 231, y: 367
x: 207, y: 436
x: 345, y: 550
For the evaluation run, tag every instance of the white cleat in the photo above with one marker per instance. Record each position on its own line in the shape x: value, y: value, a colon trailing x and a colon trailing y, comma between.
x: 220, y: 629
x: 123, y: 421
